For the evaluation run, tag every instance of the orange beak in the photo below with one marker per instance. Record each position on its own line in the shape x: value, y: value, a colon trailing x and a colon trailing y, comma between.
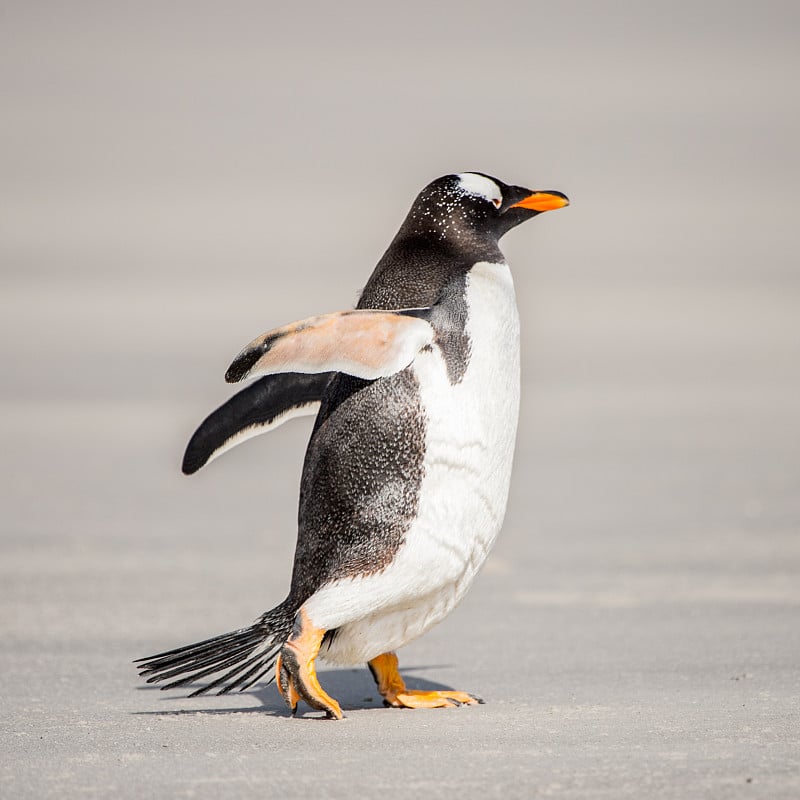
x: 543, y: 201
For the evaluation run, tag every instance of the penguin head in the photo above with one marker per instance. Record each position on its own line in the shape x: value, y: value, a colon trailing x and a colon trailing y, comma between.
x: 472, y: 206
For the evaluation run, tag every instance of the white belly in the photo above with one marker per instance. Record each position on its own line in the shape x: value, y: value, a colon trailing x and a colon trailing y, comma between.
x: 469, y: 446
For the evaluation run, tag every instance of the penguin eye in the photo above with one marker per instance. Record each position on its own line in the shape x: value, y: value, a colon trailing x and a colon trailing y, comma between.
x: 497, y: 202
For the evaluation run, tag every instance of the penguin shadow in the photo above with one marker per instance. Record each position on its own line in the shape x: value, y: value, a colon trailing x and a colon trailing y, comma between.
x: 354, y: 689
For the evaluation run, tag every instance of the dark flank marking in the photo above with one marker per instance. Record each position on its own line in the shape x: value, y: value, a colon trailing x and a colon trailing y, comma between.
x: 360, y: 487
x: 257, y: 405
x: 449, y: 320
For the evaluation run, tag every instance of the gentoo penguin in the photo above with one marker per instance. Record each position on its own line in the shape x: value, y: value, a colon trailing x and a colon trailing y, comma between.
x: 407, y: 471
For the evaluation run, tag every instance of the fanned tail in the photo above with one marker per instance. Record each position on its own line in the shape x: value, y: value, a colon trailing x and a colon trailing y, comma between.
x: 242, y: 656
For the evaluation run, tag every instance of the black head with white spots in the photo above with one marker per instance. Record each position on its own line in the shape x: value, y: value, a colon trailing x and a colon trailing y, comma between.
x: 471, y: 208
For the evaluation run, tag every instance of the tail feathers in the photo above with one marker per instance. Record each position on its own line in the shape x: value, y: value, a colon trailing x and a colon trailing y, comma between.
x: 242, y: 656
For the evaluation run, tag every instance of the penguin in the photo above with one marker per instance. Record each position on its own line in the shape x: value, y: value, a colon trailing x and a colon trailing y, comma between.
x: 406, y: 474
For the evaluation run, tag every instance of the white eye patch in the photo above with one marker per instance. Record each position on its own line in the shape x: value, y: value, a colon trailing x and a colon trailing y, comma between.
x: 481, y: 186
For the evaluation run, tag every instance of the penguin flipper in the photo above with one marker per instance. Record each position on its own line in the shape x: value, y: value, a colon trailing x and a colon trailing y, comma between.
x: 367, y: 344
x: 265, y: 404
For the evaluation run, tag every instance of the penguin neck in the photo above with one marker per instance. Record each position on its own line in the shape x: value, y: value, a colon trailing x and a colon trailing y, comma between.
x: 418, y: 266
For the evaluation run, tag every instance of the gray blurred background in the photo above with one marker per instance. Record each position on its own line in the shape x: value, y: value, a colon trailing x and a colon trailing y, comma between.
x: 176, y: 178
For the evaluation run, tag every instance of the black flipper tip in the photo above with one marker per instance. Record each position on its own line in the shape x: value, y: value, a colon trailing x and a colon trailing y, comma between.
x: 241, y: 366
x: 189, y: 465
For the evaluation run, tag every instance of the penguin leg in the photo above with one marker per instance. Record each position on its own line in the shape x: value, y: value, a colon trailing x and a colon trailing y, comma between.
x: 393, y: 688
x: 296, y: 673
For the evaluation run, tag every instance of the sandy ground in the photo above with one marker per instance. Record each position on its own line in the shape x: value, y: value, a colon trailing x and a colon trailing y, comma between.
x: 173, y: 189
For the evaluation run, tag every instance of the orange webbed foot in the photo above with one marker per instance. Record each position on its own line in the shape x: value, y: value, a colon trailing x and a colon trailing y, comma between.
x: 413, y: 698
x: 391, y: 685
